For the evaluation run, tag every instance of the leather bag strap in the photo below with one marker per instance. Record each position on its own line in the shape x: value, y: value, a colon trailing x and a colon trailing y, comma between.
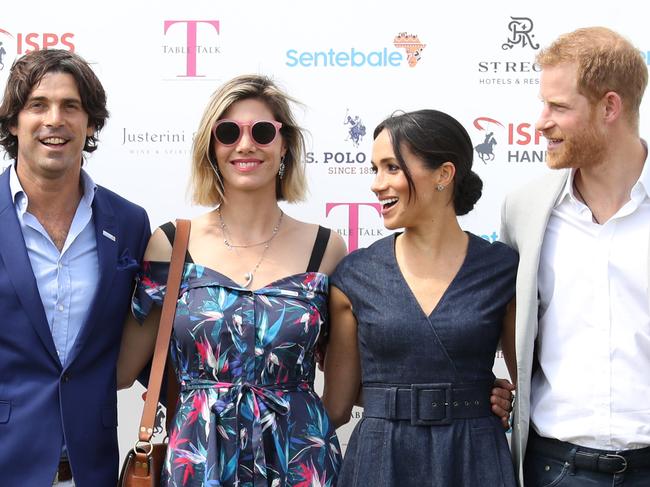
x: 164, y: 329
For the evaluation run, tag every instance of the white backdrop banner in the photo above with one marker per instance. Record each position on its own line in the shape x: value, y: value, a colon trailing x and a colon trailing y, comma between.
x: 350, y: 64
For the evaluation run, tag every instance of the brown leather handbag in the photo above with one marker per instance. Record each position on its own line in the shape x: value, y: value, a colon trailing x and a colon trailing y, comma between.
x: 143, y: 464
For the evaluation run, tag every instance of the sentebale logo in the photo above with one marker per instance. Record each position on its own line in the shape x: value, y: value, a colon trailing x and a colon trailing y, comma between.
x: 359, y: 58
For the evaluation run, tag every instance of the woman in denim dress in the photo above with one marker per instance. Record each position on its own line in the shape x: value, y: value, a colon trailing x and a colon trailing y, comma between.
x: 416, y: 319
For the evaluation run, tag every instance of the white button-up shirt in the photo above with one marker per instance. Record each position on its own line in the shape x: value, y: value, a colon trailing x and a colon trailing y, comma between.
x: 592, y: 386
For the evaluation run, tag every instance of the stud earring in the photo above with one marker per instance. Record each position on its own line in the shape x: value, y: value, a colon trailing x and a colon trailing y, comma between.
x: 440, y: 187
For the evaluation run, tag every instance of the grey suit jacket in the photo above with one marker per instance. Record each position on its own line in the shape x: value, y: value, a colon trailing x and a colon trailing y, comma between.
x: 524, y: 217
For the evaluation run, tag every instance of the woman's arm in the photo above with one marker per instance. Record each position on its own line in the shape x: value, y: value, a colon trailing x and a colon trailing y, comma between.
x: 342, y: 364
x: 138, y: 340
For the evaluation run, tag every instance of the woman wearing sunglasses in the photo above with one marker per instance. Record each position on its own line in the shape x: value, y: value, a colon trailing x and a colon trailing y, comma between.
x: 253, y: 300
x: 416, y: 318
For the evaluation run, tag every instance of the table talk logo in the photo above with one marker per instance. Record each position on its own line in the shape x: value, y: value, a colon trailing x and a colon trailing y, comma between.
x: 358, y: 231
x: 521, y: 142
x: 190, y: 47
x: 514, y: 63
x: 353, y: 57
x: 13, y: 45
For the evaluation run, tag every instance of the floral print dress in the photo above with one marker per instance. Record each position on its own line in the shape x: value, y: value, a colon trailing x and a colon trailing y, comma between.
x: 247, y: 414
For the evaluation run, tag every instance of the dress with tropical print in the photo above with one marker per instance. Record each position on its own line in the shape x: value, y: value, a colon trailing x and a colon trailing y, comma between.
x: 247, y: 414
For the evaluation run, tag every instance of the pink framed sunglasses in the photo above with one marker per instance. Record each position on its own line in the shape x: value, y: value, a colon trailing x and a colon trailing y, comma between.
x: 263, y: 132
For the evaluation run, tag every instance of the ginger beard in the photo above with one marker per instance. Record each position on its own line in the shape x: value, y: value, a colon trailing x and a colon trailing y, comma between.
x: 583, y: 148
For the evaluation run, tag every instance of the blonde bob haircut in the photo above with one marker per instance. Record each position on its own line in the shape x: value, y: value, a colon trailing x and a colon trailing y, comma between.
x: 606, y: 62
x: 205, y: 185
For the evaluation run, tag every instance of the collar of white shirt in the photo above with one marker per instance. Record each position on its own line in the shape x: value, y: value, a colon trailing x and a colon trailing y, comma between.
x: 639, y: 192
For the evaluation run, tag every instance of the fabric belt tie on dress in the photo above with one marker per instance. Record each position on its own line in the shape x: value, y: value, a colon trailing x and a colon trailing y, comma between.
x: 604, y: 461
x: 427, y: 404
x: 264, y: 401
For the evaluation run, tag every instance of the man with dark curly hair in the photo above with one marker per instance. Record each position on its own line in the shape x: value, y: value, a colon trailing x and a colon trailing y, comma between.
x: 69, y: 251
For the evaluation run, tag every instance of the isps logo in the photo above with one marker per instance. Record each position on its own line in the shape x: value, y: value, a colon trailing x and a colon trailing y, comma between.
x: 25, y: 42
x: 34, y: 41
x: 516, y: 137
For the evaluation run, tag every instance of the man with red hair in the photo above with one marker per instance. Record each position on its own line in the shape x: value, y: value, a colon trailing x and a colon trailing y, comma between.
x: 582, y: 414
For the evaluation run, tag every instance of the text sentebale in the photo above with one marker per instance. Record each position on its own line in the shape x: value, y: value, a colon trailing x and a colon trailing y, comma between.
x: 343, y: 59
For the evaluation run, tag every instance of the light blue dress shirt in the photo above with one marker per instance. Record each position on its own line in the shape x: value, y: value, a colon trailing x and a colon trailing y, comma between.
x: 67, y: 280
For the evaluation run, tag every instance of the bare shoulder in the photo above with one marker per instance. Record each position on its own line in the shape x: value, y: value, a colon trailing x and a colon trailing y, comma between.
x: 334, y: 253
x: 306, y: 233
x: 159, y: 249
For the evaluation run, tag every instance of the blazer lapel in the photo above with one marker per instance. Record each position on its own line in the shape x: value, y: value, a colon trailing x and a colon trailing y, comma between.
x: 533, y: 213
x: 530, y: 239
x: 19, y: 268
x: 107, y: 249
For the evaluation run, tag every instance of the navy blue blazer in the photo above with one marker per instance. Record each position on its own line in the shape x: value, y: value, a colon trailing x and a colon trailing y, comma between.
x: 42, y: 402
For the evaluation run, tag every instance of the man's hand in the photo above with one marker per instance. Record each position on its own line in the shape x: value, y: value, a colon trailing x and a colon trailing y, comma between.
x: 320, y: 351
x: 502, y: 399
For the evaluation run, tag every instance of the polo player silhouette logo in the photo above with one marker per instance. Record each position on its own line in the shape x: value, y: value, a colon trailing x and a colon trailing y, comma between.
x: 3, y: 51
x: 485, y: 150
x: 2, y: 54
x: 356, y: 128
x: 160, y: 418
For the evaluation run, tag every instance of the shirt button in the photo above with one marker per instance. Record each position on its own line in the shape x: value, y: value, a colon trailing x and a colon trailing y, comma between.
x: 60, y: 265
x: 60, y: 307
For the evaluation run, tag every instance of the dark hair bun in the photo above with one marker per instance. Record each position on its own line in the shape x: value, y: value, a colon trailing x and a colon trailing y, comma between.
x: 467, y: 192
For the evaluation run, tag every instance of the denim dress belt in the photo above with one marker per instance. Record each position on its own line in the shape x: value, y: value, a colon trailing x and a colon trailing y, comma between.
x: 603, y: 461
x: 427, y: 404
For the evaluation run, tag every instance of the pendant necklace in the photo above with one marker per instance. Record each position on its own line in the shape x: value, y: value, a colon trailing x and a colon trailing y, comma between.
x: 593, y: 217
x: 248, y: 276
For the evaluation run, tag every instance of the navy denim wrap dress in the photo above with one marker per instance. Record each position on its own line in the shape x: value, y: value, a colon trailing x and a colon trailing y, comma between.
x: 410, y: 360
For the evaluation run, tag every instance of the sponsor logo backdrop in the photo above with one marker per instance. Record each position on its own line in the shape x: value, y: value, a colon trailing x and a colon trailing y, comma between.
x: 349, y: 63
